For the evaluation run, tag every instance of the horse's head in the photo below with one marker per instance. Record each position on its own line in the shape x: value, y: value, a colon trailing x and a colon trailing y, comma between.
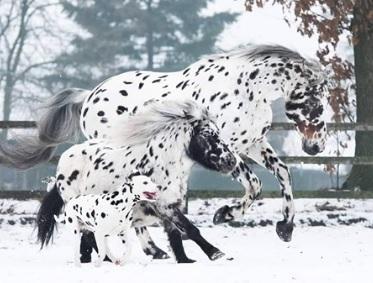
x: 208, y: 149
x: 305, y: 107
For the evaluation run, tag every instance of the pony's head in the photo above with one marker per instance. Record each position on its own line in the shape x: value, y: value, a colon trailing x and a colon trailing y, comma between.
x: 185, y: 126
x: 305, y: 107
x: 208, y: 149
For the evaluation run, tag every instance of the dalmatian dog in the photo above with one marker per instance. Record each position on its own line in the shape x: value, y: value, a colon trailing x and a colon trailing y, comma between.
x: 108, y: 214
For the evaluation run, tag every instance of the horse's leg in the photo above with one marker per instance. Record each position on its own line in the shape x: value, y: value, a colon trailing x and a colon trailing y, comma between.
x: 87, y: 244
x: 148, y: 245
x: 265, y: 155
x: 253, y: 187
x: 146, y: 214
x: 176, y: 242
x: 193, y: 233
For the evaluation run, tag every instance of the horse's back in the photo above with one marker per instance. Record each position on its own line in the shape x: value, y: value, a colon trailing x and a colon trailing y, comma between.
x: 117, y: 98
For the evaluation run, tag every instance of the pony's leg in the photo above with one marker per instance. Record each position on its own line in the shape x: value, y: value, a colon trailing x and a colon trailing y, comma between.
x: 183, y: 224
x: 145, y: 214
x: 148, y: 245
x: 265, y: 155
x: 253, y: 187
x: 87, y: 244
x: 176, y: 242
x: 148, y: 213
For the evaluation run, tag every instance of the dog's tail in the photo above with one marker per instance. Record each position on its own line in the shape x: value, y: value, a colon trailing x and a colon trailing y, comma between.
x: 50, y: 207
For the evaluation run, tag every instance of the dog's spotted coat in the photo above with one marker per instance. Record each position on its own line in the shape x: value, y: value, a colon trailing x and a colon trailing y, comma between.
x: 107, y: 214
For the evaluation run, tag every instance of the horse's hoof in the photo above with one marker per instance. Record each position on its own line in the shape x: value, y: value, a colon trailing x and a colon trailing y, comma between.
x: 216, y: 255
x: 284, y: 230
x: 222, y: 215
x: 186, y: 260
x: 107, y: 259
x: 159, y: 254
x: 85, y: 259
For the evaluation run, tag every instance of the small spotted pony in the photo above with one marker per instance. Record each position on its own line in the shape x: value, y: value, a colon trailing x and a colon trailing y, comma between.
x: 107, y: 214
x: 237, y: 87
x: 162, y: 142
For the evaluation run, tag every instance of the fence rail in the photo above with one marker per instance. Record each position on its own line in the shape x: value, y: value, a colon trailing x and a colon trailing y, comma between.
x: 277, y: 126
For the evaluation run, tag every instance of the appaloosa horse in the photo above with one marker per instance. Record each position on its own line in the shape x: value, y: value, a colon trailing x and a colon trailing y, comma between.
x: 237, y: 87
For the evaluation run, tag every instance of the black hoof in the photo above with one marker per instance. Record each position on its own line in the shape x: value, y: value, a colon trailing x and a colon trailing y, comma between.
x: 186, y: 260
x: 223, y: 215
x: 284, y: 230
x: 216, y: 255
x: 85, y: 259
x: 159, y: 254
x: 107, y: 259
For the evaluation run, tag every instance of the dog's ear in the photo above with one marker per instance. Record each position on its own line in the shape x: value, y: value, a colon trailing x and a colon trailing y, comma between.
x: 133, y: 174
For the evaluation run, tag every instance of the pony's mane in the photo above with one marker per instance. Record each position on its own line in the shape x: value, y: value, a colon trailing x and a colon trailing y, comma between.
x: 157, y: 117
x: 253, y: 51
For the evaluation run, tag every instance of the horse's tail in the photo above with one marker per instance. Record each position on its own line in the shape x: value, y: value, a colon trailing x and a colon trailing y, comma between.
x: 60, y: 123
x: 50, y: 207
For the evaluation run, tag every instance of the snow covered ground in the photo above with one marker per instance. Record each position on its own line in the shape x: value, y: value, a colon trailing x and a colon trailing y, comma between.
x: 331, y: 243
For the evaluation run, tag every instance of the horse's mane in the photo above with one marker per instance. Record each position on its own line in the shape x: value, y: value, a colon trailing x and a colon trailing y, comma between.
x: 254, y: 51
x: 157, y: 117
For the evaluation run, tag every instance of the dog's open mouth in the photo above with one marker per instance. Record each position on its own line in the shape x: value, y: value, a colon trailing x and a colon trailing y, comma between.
x: 150, y: 195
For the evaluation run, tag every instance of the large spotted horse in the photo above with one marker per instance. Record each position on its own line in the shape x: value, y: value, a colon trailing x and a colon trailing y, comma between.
x: 237, y: 87
x: 162, y: 142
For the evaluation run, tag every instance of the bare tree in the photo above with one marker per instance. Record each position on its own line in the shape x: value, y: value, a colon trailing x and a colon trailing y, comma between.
x: 25, y: 27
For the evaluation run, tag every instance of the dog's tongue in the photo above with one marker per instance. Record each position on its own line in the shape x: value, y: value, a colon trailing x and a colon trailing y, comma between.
x: 150, y: 195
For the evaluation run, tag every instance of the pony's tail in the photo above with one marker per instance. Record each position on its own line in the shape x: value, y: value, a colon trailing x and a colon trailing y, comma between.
x: 50, y: 207
x: 60, y: 123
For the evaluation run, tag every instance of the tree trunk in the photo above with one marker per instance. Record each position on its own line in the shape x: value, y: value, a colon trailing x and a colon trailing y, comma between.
x: 361, y: 176
x: 6, y: 107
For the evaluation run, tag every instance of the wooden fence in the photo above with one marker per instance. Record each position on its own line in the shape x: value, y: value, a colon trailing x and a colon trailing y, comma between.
x: 366, y: 160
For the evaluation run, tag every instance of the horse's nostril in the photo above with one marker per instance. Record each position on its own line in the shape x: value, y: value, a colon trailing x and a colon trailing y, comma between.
x: 316, y: 148
x: 312, y: 150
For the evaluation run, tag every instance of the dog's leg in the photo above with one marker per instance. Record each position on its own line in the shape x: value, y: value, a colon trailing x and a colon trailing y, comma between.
x: 101, y: 246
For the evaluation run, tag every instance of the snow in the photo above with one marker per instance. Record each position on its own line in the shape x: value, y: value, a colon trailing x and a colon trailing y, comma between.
x: 335, y: 252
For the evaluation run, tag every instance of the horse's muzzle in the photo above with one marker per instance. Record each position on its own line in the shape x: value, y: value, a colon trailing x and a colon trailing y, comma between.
x: 311, y: 148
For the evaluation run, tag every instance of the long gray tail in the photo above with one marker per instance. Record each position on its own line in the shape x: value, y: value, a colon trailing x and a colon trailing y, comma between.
x: 58, y: 124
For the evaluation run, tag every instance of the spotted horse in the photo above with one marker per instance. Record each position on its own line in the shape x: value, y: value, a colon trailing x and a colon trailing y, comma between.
x: 237, y: 87
x: 162, y: 142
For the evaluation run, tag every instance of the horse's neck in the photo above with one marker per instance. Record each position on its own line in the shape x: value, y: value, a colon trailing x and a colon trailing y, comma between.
x: 172, y: 156
x: 257, y: 79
